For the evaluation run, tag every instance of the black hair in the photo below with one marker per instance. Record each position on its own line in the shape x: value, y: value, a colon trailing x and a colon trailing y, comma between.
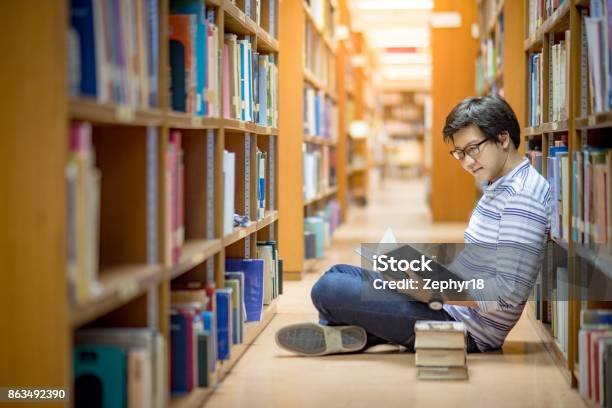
x: 490, y: 113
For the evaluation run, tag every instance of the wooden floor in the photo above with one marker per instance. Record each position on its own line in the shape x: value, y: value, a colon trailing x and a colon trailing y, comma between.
x: 522, y: 375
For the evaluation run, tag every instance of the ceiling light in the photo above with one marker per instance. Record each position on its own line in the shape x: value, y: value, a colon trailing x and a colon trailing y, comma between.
x: 395, y: 4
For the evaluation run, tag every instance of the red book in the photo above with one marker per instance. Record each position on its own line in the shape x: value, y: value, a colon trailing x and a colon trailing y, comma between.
x: 182, y: 29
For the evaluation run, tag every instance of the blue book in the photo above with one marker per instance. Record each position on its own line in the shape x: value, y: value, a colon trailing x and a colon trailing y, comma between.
x: 180, y: 325
x: 178, y: 82
x: 253, y: 284
x: 103, y: 368
x: 263, y: 90
x: 153, y: 44
x: 82, y: 21
x: 224, y: 312
x: 210, y: 325
x: 197, y: 8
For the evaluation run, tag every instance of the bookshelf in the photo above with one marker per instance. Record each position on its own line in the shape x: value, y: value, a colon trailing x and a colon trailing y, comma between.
x: 312, y: 154
x: 559, y: 121
x: 136, y: 267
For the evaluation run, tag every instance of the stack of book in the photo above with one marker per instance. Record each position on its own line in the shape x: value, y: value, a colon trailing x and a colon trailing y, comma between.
x: 440, y: 350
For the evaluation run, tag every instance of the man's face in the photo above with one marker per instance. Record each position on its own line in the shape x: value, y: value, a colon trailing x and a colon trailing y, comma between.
x: 490, y: 160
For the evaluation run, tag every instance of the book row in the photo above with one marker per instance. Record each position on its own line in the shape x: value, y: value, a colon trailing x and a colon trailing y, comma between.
x: 319, y: 228
x: 319, y: 170
x: 113, y: 51
x: 320, y: 114
x: 598, y: 28
x: 539, y: 11
x: 595, y: 356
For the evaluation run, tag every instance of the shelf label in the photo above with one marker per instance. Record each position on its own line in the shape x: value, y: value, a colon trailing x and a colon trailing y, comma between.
x: 555, y: 126
x: 592, y: 120
x: 241, y: 125
x: 128, y: 290
x: 242, y: 233
x: 124, y: 113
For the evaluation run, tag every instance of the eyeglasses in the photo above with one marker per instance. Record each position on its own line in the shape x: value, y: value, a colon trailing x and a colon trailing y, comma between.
x: 471, y: 150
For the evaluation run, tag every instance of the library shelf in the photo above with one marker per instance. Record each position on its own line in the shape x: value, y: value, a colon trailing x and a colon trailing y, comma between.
x: 494, y: 18
x: 319, y: 140
x: 265, y: 42
x: 533, y: 131
x: 198, y: 396
x: 600, y: 259
x: 559, y: 20
x: 330, y: 191
x: 312, y: 79
x: 235, y: 125
x: 238, y: 233
x: 353, y: 169
x: 269, y: 218
x: 237, y: 21
x: 535, y: 41
x: 595, y: 121
x: 317, y: 28
x: 193, y: 253
x: 563, y: 244
x: 182, y: 120
x: 111, y: 114
x: 213, y: 3
x: 119, y: 285
x: 552, y: 127
x: 582, y: 3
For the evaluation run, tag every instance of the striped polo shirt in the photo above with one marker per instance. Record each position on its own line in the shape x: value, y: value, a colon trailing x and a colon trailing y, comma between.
x: 505, y: 240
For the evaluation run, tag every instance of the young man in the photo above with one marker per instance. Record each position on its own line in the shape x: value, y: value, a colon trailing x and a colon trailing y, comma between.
x: 514, y: 212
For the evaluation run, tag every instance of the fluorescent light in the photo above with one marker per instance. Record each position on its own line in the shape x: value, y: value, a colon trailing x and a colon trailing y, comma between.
x: 446, y: 19
x: 395, y: 4
x: 392, y: 42
x: 407, y: 72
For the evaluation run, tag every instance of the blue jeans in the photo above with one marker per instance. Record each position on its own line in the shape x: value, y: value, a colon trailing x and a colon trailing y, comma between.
x: 345, y: 295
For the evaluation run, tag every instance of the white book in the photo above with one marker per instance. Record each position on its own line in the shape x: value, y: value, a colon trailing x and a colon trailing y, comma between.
x: 140, y: 386
x: 229, y: 185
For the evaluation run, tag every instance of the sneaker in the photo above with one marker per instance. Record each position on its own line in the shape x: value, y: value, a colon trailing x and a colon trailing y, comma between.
x: 312, y: 339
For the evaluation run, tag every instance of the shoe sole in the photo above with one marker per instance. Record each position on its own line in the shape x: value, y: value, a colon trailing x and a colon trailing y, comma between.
x: 309, y: 339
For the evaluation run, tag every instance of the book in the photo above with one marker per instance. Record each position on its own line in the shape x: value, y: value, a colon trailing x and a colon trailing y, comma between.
x: 442, y: 373
x: 182, y: 61
x: 224, y: 322
x: 181, y: 359
x: 238, y: 277
x: 229, y: 186
x: 99, y: 376
x: 237, y: 304
x: 440, y: 357
x: 253, y: 270
x: 440, y: 335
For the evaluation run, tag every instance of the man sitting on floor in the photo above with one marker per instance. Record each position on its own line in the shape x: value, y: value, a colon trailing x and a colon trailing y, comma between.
x: 514, y: 211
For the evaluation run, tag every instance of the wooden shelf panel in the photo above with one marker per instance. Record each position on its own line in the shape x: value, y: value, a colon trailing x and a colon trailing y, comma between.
x: 330, y: 191
x: 236, y: 21
x: 110, y: 114
x: 560, y: 242
x: 559, y: 21
x: 534, y: 42
x: 493, y: 23
x: 312, y: 79
x: 533, y: 131
x: 357, y: 169
x: 118, y: 285
x: 596, y: 121
x: 239, y: 233
x: 269, y: 218
x: 319, y: 140
x: 552, y: 127
x: 234, y: 125
x: 181, y: 120
x: 265, y: 42
x: 601, y: 259
x: 193, y: 253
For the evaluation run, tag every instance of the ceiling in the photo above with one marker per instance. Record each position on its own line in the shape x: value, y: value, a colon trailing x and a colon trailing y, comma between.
x: 398, y: 33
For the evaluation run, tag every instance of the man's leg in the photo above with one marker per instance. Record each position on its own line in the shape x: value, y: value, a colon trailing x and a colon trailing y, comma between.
x: 345, y: 295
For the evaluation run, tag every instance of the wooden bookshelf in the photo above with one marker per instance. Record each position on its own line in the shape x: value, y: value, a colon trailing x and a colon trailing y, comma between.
x: 131, y: 291
x: 578, y: 127
x: 306, y: 48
